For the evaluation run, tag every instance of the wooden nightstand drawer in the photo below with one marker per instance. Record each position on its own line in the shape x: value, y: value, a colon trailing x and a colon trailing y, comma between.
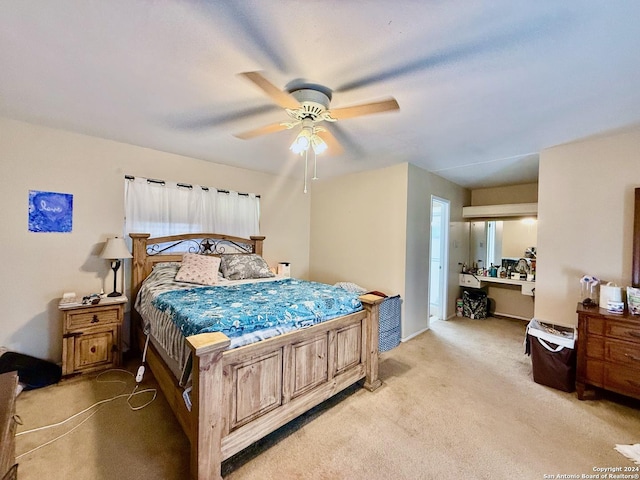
x: 92, y: 317
x: 95, y: 349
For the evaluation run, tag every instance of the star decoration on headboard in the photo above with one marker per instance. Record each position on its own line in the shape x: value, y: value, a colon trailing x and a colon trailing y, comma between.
x: 207, y: 246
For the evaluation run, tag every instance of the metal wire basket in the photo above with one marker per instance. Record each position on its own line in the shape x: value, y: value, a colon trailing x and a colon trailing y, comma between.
x: 390, y: 316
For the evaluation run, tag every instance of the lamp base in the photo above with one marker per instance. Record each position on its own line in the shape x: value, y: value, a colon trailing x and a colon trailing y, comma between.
x: 114, y: 294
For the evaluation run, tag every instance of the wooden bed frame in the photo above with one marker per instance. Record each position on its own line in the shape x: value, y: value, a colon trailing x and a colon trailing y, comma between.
x: 243, y: 394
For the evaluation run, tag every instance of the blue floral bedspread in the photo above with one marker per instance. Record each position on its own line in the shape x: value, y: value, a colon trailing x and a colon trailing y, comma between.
x: 237, y: 310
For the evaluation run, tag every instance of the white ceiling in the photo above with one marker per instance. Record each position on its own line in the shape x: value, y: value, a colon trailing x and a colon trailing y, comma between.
x: 483, y: 86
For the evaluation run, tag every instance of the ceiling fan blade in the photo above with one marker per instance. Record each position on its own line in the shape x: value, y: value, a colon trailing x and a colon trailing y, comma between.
x: 282, y: 98
x: 364, y: 109
x: 199, y: 121
x: 250, y: 32
x: 348, y: 142
x: 333, y: 146
x: 274, y: 127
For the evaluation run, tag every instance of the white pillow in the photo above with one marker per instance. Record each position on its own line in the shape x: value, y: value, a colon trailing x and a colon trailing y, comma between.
x: 200, y: 269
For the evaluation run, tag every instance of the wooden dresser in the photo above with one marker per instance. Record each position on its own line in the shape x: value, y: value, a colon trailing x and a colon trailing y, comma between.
x: 8, y: 384
x: 608, y: 351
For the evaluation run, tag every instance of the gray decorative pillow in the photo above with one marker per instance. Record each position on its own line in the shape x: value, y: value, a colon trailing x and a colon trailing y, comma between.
x: 242, y: 266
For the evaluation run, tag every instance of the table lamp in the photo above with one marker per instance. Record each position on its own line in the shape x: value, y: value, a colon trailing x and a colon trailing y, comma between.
x: 114, y: 250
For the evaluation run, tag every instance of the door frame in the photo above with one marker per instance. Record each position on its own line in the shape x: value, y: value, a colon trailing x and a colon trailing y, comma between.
x: 443, y: 277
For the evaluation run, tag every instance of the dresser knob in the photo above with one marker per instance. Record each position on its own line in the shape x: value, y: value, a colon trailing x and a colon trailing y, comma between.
x: 632, y: 357
x: 95, y: 319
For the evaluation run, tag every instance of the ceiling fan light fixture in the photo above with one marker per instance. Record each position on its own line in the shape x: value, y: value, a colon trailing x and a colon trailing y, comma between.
x: 302, y: 142
x: 318, y: 144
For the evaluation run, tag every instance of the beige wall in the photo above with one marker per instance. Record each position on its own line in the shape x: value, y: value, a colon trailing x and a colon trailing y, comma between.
x: 508, y: 301
x: 39, y: 267
x: 585, y: 219
x: 422, y: 185
x: 358, y: 225
x: 372, y: 228
x: 525, y: 193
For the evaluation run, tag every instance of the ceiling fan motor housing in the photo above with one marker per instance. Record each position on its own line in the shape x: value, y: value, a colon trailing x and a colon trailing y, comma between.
x: 313, y: 104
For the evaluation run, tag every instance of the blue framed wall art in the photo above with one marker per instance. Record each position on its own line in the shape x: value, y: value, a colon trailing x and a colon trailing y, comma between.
x: 50, y: 211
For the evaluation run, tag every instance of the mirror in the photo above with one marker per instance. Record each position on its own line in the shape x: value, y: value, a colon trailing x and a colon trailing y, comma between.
x: 491, y: 242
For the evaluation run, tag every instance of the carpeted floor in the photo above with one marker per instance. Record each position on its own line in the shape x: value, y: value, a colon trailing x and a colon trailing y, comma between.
x: 457, y: 402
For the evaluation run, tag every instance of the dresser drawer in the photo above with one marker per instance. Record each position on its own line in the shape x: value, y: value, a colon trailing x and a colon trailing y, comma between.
x: 92, y: 317
x: 595, y: 325
x: 623, y: 331
x: 622, y: 380
x: 623, y: 353
x: 595, y: 347
x: 594, y: 372
x: 467, y: 280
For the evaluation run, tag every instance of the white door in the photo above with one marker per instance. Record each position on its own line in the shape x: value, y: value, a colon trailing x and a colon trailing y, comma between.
x: 439, y: 258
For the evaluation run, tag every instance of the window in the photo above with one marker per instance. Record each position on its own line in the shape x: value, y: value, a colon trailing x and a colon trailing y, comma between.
x: 167, y: 208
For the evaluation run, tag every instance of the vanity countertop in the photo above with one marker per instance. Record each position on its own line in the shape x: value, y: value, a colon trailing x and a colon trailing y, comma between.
x: 477, y: 281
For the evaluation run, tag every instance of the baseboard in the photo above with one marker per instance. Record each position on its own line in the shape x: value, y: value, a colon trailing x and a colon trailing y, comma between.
x: 406, y: 339
x: 505, y: 315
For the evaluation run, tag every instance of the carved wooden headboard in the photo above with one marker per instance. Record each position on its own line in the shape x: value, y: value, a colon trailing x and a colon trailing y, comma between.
x: 149, y: 251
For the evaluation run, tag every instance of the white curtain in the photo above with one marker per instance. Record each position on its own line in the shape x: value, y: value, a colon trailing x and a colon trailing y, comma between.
x: 167, y: 208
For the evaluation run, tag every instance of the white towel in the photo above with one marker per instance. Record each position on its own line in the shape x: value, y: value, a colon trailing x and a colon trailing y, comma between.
x: 630, y: 451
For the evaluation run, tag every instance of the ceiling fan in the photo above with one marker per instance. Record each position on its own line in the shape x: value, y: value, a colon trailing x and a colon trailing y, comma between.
x: 308, y: 106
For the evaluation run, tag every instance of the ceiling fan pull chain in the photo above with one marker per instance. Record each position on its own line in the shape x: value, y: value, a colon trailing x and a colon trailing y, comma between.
x: 315, y: 166
x: 306, y: 158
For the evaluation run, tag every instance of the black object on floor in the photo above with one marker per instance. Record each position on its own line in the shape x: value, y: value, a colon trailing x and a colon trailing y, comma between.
x: 32, y: 372
x: 474, y: 303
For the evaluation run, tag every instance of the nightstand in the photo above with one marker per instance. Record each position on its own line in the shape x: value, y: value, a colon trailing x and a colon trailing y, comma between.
x: 91, y: 336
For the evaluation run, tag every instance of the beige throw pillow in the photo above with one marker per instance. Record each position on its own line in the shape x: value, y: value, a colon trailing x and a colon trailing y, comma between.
x: 201, y: 269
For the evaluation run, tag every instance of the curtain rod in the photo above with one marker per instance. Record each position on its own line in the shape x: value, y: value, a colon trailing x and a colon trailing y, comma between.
x: 184, y: 185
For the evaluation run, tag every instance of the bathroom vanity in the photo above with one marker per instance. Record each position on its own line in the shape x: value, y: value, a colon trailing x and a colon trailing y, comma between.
x: 509, y: 297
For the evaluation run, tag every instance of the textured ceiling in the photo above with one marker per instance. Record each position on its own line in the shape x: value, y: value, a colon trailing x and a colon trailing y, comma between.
x: 483, y: 87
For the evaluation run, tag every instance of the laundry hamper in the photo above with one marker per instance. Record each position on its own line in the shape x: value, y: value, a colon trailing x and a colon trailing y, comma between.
x: 389, y: 323
x: 553, y: 357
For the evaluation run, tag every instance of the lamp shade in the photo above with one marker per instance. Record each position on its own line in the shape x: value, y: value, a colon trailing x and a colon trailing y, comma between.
x: 114, y: 249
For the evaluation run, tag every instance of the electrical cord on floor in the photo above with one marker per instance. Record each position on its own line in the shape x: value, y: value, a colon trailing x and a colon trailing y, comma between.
x: 100, y: 404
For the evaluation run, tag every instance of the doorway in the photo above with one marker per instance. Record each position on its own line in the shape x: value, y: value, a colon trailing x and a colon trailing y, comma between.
x: 439, y: 258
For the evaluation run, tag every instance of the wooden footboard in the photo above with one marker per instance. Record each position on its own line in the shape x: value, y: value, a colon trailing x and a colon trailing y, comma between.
x: 243, y: 394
